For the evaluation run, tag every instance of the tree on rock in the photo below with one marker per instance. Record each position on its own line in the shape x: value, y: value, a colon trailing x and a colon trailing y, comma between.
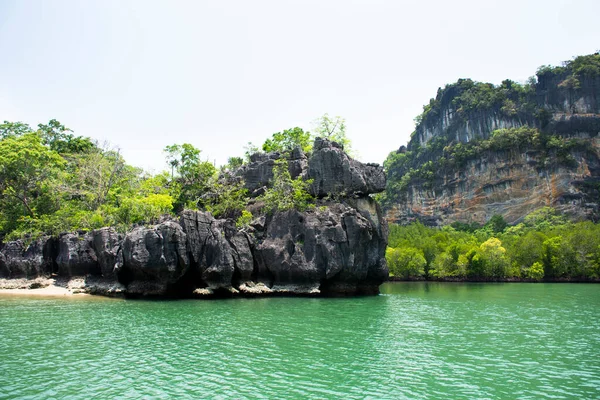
x: 28, y: 172
x: 286, y: 193
x: 286, y: 141
x: 334, y: 129
x: 190, y: 176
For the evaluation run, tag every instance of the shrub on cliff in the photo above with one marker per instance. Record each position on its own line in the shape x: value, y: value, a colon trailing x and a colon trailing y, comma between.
x: 286, y: 193
x: 287, y: 140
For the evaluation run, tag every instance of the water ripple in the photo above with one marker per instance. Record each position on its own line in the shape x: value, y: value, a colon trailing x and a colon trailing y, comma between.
x: 416, y: 341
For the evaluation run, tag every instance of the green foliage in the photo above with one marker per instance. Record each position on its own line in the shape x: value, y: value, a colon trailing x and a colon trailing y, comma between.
x: 249, y: 149
x: 446, y: 264
x: 52, y: 181
x: 286, y: 193
x: 573, y: 70
x: 535, y: 272
x: 29, y: 173
x: 497, y: 223
x: 544, y: 218
x: 244, y: 219
x: 334, y: 129
x: 226, y: 200
x: 148, y: 209
x: 57, y: 137
x: 286, y: 141
x: 233, y: 163
x: 493, y: 258
x: 191, y: 177
x: 12, y: 129
x: 468, y: 97
x: 544, y: 247
x: 406, y: 263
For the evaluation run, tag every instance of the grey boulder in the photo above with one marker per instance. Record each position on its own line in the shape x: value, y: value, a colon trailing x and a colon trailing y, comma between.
x: 154, y: 259
x: 336, y: 174
x: 76, y: 257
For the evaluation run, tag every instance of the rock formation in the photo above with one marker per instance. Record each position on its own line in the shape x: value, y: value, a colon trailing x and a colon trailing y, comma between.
x: 336, y: 248
x: 334, y: 173
x: 22, y: 260
x: 455, y: 169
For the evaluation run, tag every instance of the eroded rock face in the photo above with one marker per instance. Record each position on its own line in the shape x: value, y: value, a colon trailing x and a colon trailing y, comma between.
x: 258, y: 173
x: 154, y: 258
x: 509, y: 184
x: 218, y: 252
x: 4, y: 271
x: 76, y: 256
x: 334, y: 173
x: 335, y: 249
x: 106, y: 243
x: 27, y: 261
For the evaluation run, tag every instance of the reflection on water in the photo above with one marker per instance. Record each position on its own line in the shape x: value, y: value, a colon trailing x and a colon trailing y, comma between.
x: 416, y: 340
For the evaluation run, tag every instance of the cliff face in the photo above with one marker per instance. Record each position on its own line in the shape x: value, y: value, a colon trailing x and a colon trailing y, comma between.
x: 336, y: 248
x: 480, y: 150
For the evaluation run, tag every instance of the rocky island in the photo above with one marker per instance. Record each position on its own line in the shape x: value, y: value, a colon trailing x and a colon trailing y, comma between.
x: 336, y: 247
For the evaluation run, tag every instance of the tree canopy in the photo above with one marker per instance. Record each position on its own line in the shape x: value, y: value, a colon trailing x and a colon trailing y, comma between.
x: 545, y: 246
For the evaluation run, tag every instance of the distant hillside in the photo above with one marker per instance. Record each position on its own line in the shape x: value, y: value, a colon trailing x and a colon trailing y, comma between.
x: 480, y: 149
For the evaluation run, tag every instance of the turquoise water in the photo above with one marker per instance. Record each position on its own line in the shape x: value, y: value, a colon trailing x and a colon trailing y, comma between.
x: 416, y: 340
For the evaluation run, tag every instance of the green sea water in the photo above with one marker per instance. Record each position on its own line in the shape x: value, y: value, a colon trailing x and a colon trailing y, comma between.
x: 415, y: 340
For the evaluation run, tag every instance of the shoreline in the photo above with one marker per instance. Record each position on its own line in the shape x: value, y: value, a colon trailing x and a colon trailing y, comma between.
x: 49, y: 291
x: 42, y: 287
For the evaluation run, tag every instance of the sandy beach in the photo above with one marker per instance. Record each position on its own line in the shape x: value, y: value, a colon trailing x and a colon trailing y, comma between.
x: 41, y: 287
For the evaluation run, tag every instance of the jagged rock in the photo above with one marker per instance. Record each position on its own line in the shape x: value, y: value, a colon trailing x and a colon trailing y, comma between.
x: 298, y: 163
x: 258, y: 173
x: 4, y: 271
x: 103, y: 286
x: 76, y: 257
x: 240, y: 243
x: 28, y: 261
x: 216, y: 249
x: 334, y: 173
x: 338, y: 249
x: 154, y: 258
x: 106, y: 243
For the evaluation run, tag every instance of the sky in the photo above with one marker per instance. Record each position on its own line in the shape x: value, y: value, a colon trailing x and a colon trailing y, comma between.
x: 141, y: 75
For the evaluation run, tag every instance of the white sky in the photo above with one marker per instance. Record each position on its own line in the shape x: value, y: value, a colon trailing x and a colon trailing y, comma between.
x: 218, y: 74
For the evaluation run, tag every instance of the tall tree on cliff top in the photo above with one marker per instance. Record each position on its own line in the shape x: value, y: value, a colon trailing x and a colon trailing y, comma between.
x: 287, y: 140
x: 190, y: 176
x: 28, y: 176
x: 334, y: 129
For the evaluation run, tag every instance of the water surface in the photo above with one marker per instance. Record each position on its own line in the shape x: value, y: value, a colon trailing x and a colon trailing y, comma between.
x: 416, y: 340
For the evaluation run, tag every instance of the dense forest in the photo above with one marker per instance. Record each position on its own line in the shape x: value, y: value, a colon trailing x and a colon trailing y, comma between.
x: 545, y: 246
x: 52, y: 181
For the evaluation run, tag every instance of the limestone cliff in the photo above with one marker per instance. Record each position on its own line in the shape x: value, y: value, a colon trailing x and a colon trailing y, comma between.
x: 480, y: 150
